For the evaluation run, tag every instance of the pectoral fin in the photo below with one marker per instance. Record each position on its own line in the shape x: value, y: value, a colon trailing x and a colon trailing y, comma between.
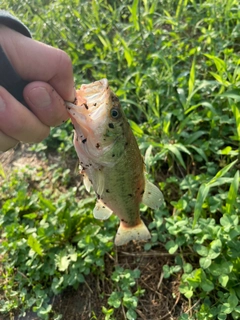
x: 152, y: 196
x: 101, y: 211
x: 99, y: 182
x: 87, y: 183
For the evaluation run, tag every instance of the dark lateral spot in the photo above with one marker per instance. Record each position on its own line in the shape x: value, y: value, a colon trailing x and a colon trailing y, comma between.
x: 113, y: 155
x: 98, y: 196
x: 95, y: 104
x: 97, y: 145
x: 84, y: 140
x: 77, y: 138
x: 126, y: 144
x: 85, y: 106
x: 142, y: 192
x: 103, y: 207
x: 90, y: 181
x: 130, y: 195
x: 149, y: 192
x: 111, y: 125
x: 107, y: 190
x: 74, y: 113
x: 68, y: 108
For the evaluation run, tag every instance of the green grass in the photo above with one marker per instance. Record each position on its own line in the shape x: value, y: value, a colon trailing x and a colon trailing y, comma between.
x: 175, y: 67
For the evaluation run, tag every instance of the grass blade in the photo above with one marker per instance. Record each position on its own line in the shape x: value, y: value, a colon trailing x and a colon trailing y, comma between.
x: 232, y: 194
x: 135, y: 14
x: 191, y: 81
x: 202, y: 194
x: 221, y: 173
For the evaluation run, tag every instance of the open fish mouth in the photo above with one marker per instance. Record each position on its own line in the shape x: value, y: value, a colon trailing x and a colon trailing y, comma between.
x: 91, y: 110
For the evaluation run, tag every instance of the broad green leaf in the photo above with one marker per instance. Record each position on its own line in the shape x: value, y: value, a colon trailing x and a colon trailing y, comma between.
x: 206, y: 285
x: 201, y: 250
x: 205, y: 262
x: 35, y: 245
x: 171, y: 246
x: 223, y: 279
x: 63, y: 263
x: 187, y: 268
x: 217, y: 269
x: 131, y: 314
x: 115, y: 299
x: 46, y: 203
x: 215, y: 249
x: 195, y: 278
x: 229, y: 221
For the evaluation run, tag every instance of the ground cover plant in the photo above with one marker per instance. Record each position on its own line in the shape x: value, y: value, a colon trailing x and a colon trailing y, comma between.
x: 175, y: 67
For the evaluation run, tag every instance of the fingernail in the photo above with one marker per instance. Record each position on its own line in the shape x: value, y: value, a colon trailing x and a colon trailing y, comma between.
x: 74, y: 94
x: 39, y: 97
x: 2, y: 104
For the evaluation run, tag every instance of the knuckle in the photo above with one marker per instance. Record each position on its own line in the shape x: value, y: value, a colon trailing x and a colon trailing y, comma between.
x: 63, y: 59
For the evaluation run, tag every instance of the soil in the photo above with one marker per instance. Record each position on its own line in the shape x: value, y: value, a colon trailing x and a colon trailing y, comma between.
x: 161, y: 299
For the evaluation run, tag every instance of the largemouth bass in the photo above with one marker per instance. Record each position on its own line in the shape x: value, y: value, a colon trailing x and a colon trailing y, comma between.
x: 110, y: 160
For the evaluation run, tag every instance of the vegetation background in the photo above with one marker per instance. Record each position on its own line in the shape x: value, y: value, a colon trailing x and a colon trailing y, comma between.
x: 175, y: 66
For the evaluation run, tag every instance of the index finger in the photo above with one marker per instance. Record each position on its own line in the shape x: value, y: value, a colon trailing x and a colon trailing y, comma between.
x: 34, y: 60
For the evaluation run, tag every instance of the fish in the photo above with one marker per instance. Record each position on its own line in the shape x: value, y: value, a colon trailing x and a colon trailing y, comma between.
x: 110, y: 160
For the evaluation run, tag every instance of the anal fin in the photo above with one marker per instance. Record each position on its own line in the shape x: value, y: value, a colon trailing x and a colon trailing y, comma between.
x: 101, y: 211
x: 152, y: 196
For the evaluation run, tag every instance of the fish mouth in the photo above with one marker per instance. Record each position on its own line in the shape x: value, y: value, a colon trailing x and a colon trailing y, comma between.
x: 91, y: 110
x: 92, y: 102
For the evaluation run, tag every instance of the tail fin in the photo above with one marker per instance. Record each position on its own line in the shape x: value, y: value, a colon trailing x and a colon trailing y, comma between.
x: 125, y: 234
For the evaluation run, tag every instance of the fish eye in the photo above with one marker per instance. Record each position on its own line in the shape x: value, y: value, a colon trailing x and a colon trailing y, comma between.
x: 115, y: 114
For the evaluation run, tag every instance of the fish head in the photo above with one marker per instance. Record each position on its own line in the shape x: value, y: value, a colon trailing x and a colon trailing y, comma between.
x: 99, y: 122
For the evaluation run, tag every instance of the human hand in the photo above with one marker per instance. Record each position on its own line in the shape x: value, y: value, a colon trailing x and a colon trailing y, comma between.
x: 49, y: 71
